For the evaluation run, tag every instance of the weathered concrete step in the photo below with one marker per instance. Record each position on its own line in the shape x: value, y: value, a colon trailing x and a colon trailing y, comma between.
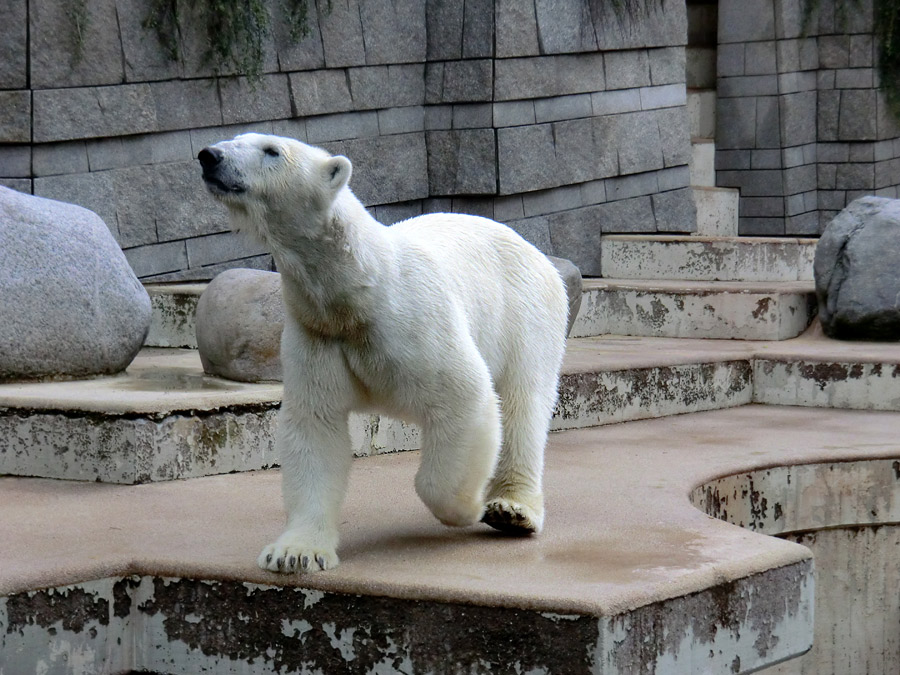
x: 626, y: 577
x: 172, y: 321
x: 694, y: 309
x: 701, y: 258
x: 166, y: 420
x: 717, y: 210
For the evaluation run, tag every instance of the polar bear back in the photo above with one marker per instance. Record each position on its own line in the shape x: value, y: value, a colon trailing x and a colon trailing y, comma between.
x: 512, y: 296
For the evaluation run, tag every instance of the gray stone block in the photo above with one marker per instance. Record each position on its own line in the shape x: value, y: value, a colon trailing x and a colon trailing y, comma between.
x: 626, y: 69
x: 789, y: 83
x: 735, y: 123
x: 730, y: 60
x: 857, y: 116
x: 72, y: 306
x: 320, y: 91
x: 624, y: 187
x: 639, y: 143
x: 59, y: 158
x: 789, y: 22
x: 667, y: 65
x: 802, y: 225
x: 342, y: 126
x: 259, y: 262
x: 768, y: 123
x: 854, y: 78
x: 200, y: 138
x: 342, y: 34
x: 112, y: 153
x: 798, y: 117
x: 760, y: 227
x: 832, y: 200
x: 55, y: 59
x: 295, y: 53
x: 593, y: 192
x: 562, y: 108
x: 388, y: 169
x: 799, y: 179
x: 748, y: 85
x: 222, y: 247
x: 674, y: 178
x: 513, y: 113
x: 614, y: 102
x: 476, y: 206
x: 14, y: 44
x: 438, y: 117
x: 172, y: 146
x: 760, y: 58
x: 535, y: 230
x: 857, y: 284
x: 144, y: 57
x: 509, y: 208
x: 543, y: 202
x: 15, y: 161
x: 665, y: 96
x: 733, y: 159
x: 675, y: 211
x: 472, y: 116
x: 765, y: 159
x: 746, y: 20
x: 548, y: 76
x: 834, y: 51
x: 855, y: 177
x: 91, y: 112
x: 478, y: 29
x: 788, y: 55
x: 387, y: 86
x: 245, y: 100
x: 826, y: 177
x: 156, y: 259
x: 862, y: 51
x: 862, y: 152
x: 764, y: 183
x: 459, y: 81
x: 828, y: 111
x: 239, y: 320
x: 93, y: 191
x: 651, y: 24
x: 762, y: 207
x: 674, y: 135
x: 444, y: 22
x: 393, y: 31
x: 886, y: 174
x: 516, y: 28
x: 564, y: 26
x: 401, y: 120
x: 15, y: 116
x: 461, y: 162
x: 22, y: 185
x: 395, y: 213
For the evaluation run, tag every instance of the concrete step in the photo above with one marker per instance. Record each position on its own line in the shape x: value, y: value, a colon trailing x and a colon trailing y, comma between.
x: 727, y: 310
x: 717, y: 211
x: 703, y: 162
x: 699, y: 258
x: 628, y: 576
x: 701, y: 104
x: 172, y: 322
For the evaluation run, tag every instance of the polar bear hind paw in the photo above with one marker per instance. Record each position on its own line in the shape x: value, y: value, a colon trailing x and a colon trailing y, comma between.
x: 510, y: 517
x: 289, y: 559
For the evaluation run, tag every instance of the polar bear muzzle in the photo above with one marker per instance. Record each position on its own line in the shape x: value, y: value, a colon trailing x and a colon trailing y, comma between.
x: 219, y: 177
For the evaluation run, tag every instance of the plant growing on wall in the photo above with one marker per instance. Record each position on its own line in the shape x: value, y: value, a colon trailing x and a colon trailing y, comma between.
x: 235, y: 30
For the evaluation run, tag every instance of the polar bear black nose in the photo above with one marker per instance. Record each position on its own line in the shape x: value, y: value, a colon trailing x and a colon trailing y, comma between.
x: 209, y: 158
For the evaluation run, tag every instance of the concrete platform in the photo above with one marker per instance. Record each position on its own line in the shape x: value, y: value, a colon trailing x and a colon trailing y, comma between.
x: 628, y: 576
x: 695, y: 309
x: 700, y: 258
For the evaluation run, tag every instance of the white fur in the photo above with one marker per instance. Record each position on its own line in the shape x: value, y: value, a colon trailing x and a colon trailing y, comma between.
x: 450, y: 321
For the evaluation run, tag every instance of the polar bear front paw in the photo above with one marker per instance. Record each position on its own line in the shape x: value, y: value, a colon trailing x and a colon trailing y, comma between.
x: 291, y: 558
x: 511, y: 517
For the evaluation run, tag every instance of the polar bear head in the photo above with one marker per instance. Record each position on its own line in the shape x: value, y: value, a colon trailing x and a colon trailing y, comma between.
x: 271, y: 183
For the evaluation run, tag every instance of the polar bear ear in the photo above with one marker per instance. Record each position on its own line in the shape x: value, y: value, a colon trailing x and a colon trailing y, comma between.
x: 337, y: 172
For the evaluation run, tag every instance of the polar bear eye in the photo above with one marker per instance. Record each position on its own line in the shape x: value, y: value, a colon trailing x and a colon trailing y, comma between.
x: 272, y: 152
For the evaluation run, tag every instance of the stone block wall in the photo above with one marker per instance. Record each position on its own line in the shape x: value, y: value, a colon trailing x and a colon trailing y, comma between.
x: 802, y: 129
x: 560, y: 118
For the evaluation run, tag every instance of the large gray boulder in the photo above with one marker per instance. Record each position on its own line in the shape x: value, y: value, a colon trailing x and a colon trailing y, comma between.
x: 857, y: 271
x: 70, y: 305
x: 239, y: 320
x: 572, y: 280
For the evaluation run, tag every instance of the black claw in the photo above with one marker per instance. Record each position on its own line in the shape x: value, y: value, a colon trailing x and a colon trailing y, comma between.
x: 280, y: 562
x: 320, y: 559
x: 292, y: 562
x: 304, y: 562
x: 268, y: 559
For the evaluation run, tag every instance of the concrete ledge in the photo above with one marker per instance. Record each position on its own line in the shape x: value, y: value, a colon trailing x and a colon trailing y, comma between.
x: 705, y: 258
x: 173, y: 306
x: 689, y: 309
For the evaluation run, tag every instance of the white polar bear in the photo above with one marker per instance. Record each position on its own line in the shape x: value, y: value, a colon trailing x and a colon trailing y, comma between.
x: 449, y: 321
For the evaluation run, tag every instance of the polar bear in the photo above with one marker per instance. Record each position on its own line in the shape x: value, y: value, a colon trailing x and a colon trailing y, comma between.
x: 452, y: 322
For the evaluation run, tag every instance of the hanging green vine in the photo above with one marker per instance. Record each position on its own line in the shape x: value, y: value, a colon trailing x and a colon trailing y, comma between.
x: 235, y: 30
x: 886, y: 29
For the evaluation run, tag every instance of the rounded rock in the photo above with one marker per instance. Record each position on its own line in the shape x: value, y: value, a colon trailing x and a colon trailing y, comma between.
x: 71, y: 305
x: 239, y: 321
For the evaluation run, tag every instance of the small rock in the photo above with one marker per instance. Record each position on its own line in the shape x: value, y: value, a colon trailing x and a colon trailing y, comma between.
x: 70, y: 304
x: 857, y: 271
x: 239, y: 321
x: 571, y: 277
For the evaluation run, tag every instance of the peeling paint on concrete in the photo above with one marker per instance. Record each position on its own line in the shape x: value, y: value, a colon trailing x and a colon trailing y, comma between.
x: 858, y: 386
x: 173, y: 307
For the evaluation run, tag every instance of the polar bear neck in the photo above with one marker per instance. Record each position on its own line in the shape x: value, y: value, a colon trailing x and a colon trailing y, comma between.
x: 329, y: 272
